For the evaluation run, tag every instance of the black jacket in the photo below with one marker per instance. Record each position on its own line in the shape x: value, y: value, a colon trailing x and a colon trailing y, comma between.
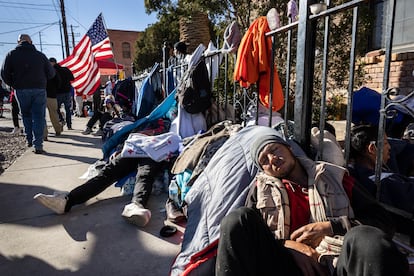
x: 26, y: 68
x: 66, y: 77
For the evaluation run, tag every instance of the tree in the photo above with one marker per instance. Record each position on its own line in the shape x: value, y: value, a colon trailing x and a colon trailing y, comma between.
x: 149, y: 46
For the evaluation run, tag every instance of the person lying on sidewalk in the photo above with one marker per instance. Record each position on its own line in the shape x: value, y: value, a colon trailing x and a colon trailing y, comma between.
x: 117, y: 168
x: 111, y: 110
x: 299, y: 221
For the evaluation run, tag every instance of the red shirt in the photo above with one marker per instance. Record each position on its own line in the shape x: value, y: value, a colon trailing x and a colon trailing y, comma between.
x: 299, y: 205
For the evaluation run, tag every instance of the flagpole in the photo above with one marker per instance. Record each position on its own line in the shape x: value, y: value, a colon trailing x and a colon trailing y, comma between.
x: 106, y: 30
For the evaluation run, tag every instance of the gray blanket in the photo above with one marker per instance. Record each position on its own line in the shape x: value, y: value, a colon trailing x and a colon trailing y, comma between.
x: 220, y: 188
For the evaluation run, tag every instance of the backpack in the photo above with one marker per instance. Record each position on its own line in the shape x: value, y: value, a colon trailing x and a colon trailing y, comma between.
x: 124, y: 93
x: 194, y: 91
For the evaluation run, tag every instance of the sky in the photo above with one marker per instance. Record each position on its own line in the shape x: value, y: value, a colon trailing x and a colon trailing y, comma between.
x: 40, y: 19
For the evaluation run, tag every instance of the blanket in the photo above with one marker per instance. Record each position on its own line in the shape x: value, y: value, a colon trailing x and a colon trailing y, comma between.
x: 220, y: 188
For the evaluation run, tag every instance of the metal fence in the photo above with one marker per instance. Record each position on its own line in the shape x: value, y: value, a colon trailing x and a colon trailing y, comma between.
x: 242, y: 104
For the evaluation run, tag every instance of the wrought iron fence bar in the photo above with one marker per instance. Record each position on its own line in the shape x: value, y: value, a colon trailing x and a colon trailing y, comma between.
x: 304, y: 76
x: 351, y: 80
x: 288, y: 68
x: 272, y: 72
x: 324, y: 81
x: 381, y: 126
x: 283, y: 29
x: 337, y: 9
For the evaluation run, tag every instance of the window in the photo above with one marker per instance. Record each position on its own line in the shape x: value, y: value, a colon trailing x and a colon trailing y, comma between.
x: 403, y: 38
x: 126, y: 50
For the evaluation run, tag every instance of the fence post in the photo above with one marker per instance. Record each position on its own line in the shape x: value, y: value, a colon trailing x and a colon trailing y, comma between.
x: 304, y: 75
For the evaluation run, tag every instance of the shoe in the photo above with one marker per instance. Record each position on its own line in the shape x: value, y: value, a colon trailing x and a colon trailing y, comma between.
x: 45, y: 139
x: 29, y: 145
x: 273, y: 19
x: 55, y: 202
x: 58, y: 133
x: 136, y: 214
x: 99, y: 132
x: 17, y: 130
x: 70, y: 128
x: 39, y: 151
x: 87, y: 131
x: 174, y: 214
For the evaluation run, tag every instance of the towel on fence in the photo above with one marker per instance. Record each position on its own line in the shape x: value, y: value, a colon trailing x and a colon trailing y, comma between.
x: 158, y: 147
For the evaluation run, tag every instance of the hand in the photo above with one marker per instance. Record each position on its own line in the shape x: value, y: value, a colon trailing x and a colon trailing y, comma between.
x: 313, y: 233
x: 302, y: 248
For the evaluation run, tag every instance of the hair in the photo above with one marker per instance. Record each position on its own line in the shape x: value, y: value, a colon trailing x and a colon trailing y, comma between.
x: 24, y: 38
x: 52, y: 59
x: 181, y: 47
x: 361, y: 136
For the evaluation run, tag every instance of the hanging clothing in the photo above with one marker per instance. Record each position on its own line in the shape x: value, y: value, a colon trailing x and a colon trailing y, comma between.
x: 253, y: 64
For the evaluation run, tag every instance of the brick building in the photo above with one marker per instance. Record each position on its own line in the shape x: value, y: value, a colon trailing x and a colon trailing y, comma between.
x: 402, y: 59
x: 123, y: 47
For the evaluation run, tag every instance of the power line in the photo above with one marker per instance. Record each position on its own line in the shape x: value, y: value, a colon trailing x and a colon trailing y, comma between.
x: 14, y: 43
x: 21, y: 3
x: 29, y: 28
x: 22, y: 22
x: 25, y: 8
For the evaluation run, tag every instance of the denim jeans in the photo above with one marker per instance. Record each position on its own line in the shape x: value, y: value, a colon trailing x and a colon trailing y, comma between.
x: 32, y: 103
x: 66, y: 99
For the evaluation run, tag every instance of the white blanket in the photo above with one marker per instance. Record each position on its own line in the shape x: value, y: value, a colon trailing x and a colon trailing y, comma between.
x: 157, y: 147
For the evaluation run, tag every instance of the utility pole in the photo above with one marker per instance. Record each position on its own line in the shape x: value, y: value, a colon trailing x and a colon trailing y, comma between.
x: 65, y: 30
x: 61, y: 39
x: 40, y: 39
x: 73, y: 37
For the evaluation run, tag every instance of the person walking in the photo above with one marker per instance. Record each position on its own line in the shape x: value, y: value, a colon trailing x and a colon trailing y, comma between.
x: 63, y: 93
x: 27, y: 71
x: 17, y: 130
x: 52, y: 104
x: 3, y: 94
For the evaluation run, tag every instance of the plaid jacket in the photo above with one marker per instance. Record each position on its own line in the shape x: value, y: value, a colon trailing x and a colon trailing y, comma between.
x: 327, y: 197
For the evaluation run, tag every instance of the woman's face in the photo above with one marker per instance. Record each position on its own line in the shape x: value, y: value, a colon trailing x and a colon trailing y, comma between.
x: 276, y: 160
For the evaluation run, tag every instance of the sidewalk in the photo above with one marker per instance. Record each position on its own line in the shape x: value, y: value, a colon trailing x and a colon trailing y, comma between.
x: 92, y: 239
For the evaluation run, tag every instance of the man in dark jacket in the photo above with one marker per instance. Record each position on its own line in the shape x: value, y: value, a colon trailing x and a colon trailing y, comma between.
x: 63, y: 93
x: 27, y: 71
x: 52, y: 105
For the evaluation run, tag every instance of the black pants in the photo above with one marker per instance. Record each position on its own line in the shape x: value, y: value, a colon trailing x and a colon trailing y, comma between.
x: 15, y: 111
x: 247, y: 247
x: 100, y: 116
x: 146, y: 170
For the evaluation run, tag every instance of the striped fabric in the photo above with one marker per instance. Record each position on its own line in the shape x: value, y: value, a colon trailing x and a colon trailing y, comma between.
x: 94, y: 45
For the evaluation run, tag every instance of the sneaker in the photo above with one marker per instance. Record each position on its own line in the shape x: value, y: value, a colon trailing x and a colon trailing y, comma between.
x: 136, y: 214
x: 39, y: 151
x: 55, y: 202
x: 174, y: 214
x: 273, y: 19
x: 99, y: 132
x: 17, y: 130
x: 87, y: 131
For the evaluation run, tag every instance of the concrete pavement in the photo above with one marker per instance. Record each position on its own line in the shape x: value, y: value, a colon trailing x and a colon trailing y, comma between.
x: 92, y: 239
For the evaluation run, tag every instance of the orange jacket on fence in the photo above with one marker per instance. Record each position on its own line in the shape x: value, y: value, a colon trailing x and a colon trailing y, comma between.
x: 253, y: 63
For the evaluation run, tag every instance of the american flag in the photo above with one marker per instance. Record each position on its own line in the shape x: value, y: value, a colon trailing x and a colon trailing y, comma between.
x: 94, y: 45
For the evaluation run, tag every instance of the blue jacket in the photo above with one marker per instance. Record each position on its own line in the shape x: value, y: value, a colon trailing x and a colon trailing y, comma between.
x: 26, y: 68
